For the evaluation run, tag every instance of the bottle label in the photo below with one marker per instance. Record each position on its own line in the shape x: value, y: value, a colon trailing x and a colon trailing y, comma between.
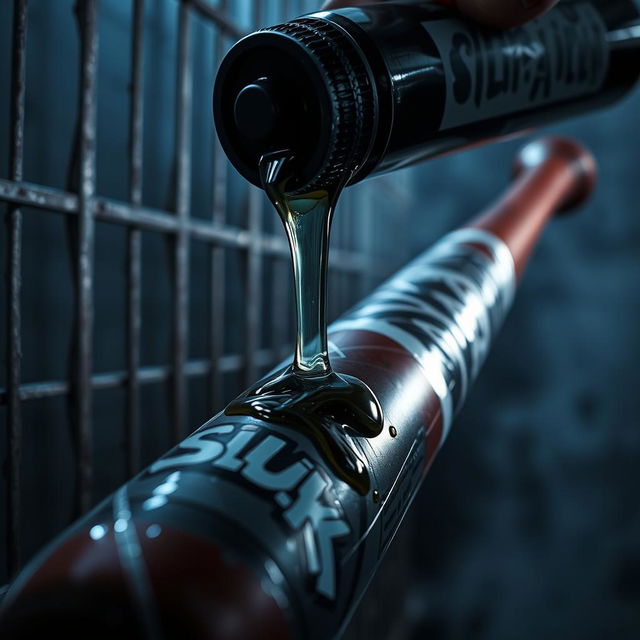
x: 559, y: 56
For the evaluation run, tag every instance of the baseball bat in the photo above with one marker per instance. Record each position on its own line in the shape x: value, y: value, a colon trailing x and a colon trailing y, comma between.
x: 246, y: 529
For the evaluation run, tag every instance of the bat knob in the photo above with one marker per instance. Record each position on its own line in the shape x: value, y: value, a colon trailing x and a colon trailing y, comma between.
x: 560, y: 156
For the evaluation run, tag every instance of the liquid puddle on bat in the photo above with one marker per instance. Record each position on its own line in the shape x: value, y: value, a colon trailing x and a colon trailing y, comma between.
x: 309, y: 395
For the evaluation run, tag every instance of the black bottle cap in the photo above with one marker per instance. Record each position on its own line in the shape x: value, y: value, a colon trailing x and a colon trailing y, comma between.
x: 257, y: 110
x: 302, y: 86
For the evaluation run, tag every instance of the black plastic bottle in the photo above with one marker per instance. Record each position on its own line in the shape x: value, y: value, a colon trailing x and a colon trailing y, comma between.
x: 373, y: 89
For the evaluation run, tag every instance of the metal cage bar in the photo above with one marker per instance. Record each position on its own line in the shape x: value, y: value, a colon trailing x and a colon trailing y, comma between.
x: 134, y: 242
x: 149, y: 219
x: 14, y: 259
x: 253, y: 275
x: 82, y: 232
x: 180, y: 240
x: 217, y: 253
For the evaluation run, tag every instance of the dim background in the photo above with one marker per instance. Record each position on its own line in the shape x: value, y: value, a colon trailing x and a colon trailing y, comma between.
x: 528, y: 524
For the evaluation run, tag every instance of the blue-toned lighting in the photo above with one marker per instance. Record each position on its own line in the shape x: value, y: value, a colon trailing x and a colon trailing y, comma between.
x: 98, y: 532
x: 120, y: 525
x: 154, y: 503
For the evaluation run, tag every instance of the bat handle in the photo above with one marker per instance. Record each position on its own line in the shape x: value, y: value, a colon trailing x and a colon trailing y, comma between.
x: 550, y: 175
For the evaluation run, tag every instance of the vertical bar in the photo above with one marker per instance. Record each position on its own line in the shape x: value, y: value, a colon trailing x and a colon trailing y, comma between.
x: 254, y: 267
x: 134, y: 242
x: 217, y: 256
x: 13, y: 273
x: 80, y: 379
x: 279, y: 271
x: 180, y: 255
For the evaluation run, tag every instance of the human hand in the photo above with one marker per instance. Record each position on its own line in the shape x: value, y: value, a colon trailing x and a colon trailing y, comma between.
x: 495, y: 13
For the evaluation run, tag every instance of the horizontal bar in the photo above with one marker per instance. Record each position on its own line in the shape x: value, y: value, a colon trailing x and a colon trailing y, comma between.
x: 32, y: 195
x: 148, y: 219
x: 148, y: 375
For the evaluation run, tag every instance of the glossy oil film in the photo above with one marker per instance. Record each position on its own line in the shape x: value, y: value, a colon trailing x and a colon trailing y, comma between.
x: 309, y: 396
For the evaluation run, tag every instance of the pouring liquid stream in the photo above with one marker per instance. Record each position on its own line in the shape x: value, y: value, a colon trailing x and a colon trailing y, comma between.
x: 332, y: 408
